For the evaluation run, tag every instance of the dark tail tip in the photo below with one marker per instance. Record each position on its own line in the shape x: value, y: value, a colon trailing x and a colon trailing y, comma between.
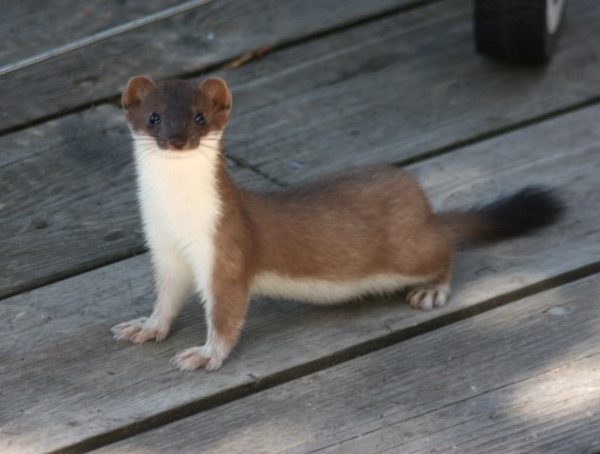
x: 528, y: 210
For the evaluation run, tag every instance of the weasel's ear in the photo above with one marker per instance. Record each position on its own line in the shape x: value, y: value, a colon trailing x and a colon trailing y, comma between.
x: 216, y: 92
x: 137, y: 89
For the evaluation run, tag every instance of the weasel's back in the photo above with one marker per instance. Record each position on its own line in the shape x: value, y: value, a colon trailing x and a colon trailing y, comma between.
x: 341, y: 226
x: 360, y: 191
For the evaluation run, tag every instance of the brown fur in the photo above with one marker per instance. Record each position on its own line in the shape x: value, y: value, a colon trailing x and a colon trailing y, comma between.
x: 349, y: 225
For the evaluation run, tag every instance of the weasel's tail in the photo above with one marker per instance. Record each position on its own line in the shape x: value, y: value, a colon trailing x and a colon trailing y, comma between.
x: 519, y: 214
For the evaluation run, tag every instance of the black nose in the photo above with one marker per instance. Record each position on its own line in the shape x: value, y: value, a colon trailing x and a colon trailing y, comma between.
x: 177, y: 142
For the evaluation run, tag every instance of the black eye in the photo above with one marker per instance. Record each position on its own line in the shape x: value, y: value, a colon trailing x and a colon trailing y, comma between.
x: 154, y: 119
x: 200, y: 119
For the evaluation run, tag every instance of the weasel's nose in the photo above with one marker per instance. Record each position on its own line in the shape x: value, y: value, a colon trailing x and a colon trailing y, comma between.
x: 177, y: 142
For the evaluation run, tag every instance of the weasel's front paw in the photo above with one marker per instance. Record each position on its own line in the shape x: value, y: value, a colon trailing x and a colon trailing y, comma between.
x: 139, y: 331
x: 426, y: 298
x: 196, y: 357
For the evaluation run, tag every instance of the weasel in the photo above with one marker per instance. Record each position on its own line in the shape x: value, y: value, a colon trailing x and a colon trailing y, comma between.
x: 362, y: 231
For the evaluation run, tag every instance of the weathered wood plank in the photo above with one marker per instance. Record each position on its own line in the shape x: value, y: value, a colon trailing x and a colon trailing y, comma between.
x: 290, y: 120
x: 521, y: 378
x: 190, y: 42
x: 68, y: 198
x: 398, y: 88
x: 64, y: 381
x: 29, y: 27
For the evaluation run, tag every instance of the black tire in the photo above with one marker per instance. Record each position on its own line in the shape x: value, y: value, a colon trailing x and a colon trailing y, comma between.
x: 518, y: 30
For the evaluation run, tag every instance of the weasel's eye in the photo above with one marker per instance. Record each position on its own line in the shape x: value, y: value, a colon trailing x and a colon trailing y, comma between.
x: 200, y: 119
x: 154, y: 119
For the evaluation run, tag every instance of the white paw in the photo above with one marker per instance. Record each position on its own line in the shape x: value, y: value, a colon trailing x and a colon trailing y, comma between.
x: 139, y: 330
x: 196, y: 357
x: 429, y: 297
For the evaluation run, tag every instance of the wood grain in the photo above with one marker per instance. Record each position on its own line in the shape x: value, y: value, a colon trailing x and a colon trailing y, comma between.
x: 64, y: 381
x: 521, y: 378
x: 29, y: 27
x: 190, y: 42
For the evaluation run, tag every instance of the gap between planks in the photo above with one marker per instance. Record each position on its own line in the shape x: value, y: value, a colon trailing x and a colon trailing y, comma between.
x: 495, y: 133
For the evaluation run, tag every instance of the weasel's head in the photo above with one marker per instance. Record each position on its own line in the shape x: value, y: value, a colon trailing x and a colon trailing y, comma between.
x: 176, y: 114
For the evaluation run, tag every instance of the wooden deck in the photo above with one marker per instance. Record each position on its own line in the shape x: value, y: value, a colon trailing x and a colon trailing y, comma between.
x: 512, y: 364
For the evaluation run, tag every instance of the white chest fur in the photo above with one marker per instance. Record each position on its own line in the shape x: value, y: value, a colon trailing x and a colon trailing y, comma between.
x: 180, y: 203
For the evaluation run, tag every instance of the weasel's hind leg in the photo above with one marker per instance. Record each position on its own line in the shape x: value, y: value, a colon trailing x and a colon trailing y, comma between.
x: 428, y: 296
x: 435, y: 259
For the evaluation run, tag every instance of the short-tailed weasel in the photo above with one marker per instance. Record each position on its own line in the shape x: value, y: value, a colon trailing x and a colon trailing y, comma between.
x: 362, y: 231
